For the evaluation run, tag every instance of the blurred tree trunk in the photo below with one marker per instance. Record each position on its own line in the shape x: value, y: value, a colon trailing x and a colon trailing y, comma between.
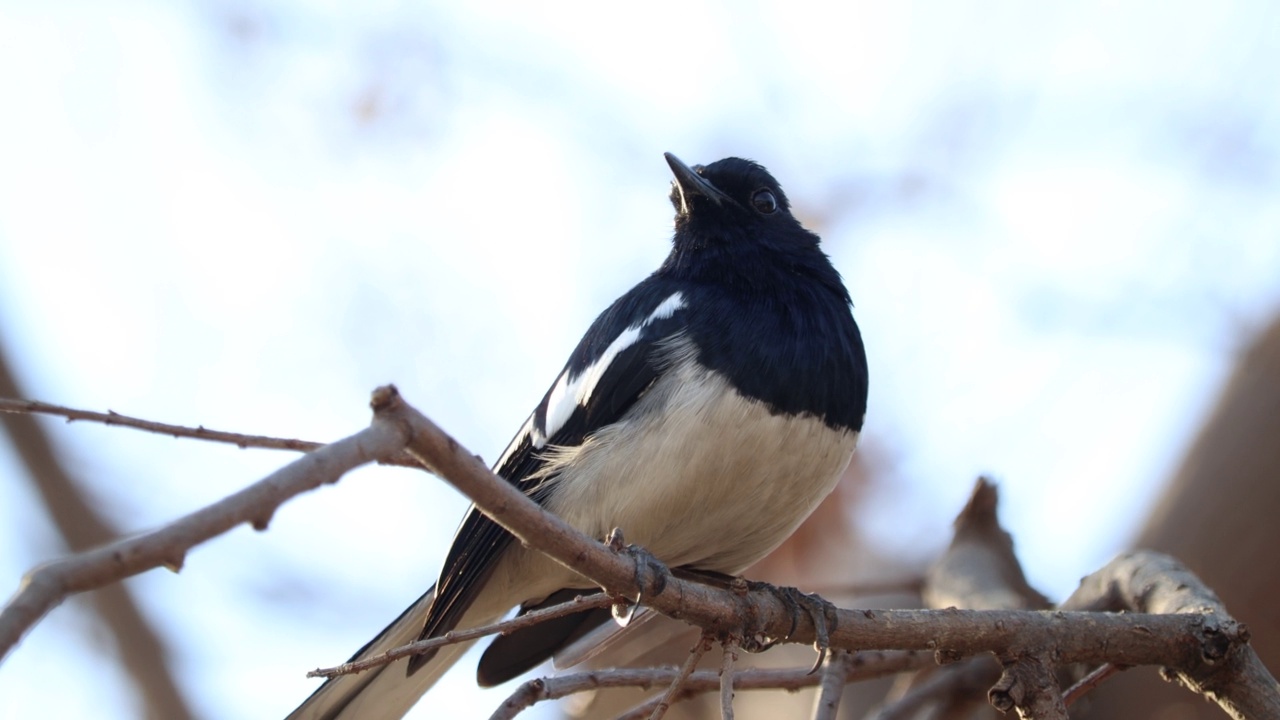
x: 141, y: 651
x: 1218, y: 516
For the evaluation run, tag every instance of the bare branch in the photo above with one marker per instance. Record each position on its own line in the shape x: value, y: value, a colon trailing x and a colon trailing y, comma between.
x: 111, y: 417
x: 47, y: 585
x: 578, y: 604
x: 979, y: 569
x: 200, y: 432
x: 668, y: 696
x: 1223, y: 666
x: 863, y: 666
x: 1131, y: 639
x: 1029, y: 686
x: 961, y: 684
x: 1087, y: 683
x: 730, y: 649
x: 1191, y: 633
x: 834, y: 670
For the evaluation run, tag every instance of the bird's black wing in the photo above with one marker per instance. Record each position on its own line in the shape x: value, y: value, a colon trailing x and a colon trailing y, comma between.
x: 612, y: 367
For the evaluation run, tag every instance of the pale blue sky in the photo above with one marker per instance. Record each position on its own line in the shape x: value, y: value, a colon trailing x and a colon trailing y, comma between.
x: 1058, y: 225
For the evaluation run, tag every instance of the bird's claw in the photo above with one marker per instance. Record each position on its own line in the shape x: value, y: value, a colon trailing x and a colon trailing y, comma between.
x: 650, y: 577
x: 821, y: 613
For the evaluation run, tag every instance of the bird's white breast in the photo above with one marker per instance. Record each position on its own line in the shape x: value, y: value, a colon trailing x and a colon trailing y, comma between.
x: 699, y: 474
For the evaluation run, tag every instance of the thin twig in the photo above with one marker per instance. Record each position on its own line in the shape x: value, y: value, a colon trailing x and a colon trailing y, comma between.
x: 834, y: 671
x: 695, y: 654
x: 865, y: 666
x: 578, y: 604
x: 48, y: 585
x: 1087, y: 683
x: 200, y: 432
x: 730, y: 649
x: 641, y: 711
x: 963, y: 681
x: 111, y: 417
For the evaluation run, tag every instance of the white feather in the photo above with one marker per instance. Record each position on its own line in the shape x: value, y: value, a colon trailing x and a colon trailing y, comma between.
x: 573, y: 391
x: 699, y: 474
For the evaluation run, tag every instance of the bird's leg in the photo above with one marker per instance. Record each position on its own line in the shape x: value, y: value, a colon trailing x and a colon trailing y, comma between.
x: 650, y: 576
x: 821, y: 613
x: 707, y: 577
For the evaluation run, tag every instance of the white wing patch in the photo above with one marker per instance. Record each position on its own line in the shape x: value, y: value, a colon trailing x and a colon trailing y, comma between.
x: 571, y: 392
x: 665, y: 309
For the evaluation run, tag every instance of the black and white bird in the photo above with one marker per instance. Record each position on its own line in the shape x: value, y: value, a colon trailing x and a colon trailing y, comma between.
x: 706, y: 413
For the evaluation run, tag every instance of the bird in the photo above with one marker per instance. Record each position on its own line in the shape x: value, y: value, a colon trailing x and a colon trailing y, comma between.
x: 705, y: 413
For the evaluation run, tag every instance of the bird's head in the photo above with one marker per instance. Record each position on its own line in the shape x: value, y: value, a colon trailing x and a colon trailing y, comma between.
x: 731, y: 191
x: 734, y: 222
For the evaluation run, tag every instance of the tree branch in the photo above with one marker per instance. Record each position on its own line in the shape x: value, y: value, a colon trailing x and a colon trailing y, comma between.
x: 1192, y: 633
x: 729, y: 649
x: 47, y: 585
x: 578, y: 604
x: 111, y: 417
x: 1141, y: 639
x: 1223, y: 667
x: 1089, y: 682
x: 1029, y: 686
x: 669, y: 695
x: 960, y: 684
x: 834, y: 671
x: 862, y: 666
x: 200, y: 432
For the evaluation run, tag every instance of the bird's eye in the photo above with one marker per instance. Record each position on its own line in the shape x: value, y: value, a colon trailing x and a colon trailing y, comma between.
x: 764, y: 202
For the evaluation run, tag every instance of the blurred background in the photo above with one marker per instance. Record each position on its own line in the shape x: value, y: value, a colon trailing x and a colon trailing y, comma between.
x: 1060, y: 227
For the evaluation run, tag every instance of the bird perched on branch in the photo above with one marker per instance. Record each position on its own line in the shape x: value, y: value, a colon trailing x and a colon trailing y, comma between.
x: 706, y: 413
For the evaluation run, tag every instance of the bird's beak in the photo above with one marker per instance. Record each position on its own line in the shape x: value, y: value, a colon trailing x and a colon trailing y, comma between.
x: 690, y: 183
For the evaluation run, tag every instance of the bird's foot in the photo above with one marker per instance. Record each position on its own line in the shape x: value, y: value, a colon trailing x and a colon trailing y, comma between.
x: 821, y: 613
x: 707, y: 577
x: 650, y: 576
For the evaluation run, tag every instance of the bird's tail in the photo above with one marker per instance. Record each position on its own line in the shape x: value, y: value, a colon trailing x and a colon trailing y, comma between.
x: 386, y: 692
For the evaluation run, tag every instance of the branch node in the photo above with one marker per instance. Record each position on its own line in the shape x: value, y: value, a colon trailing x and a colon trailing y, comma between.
x: 1029, y: 686
x: 947, y: 656
x: 383, y: 397
x: 261, y: 522
x: 615, y: 541
x: 174, y: 563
